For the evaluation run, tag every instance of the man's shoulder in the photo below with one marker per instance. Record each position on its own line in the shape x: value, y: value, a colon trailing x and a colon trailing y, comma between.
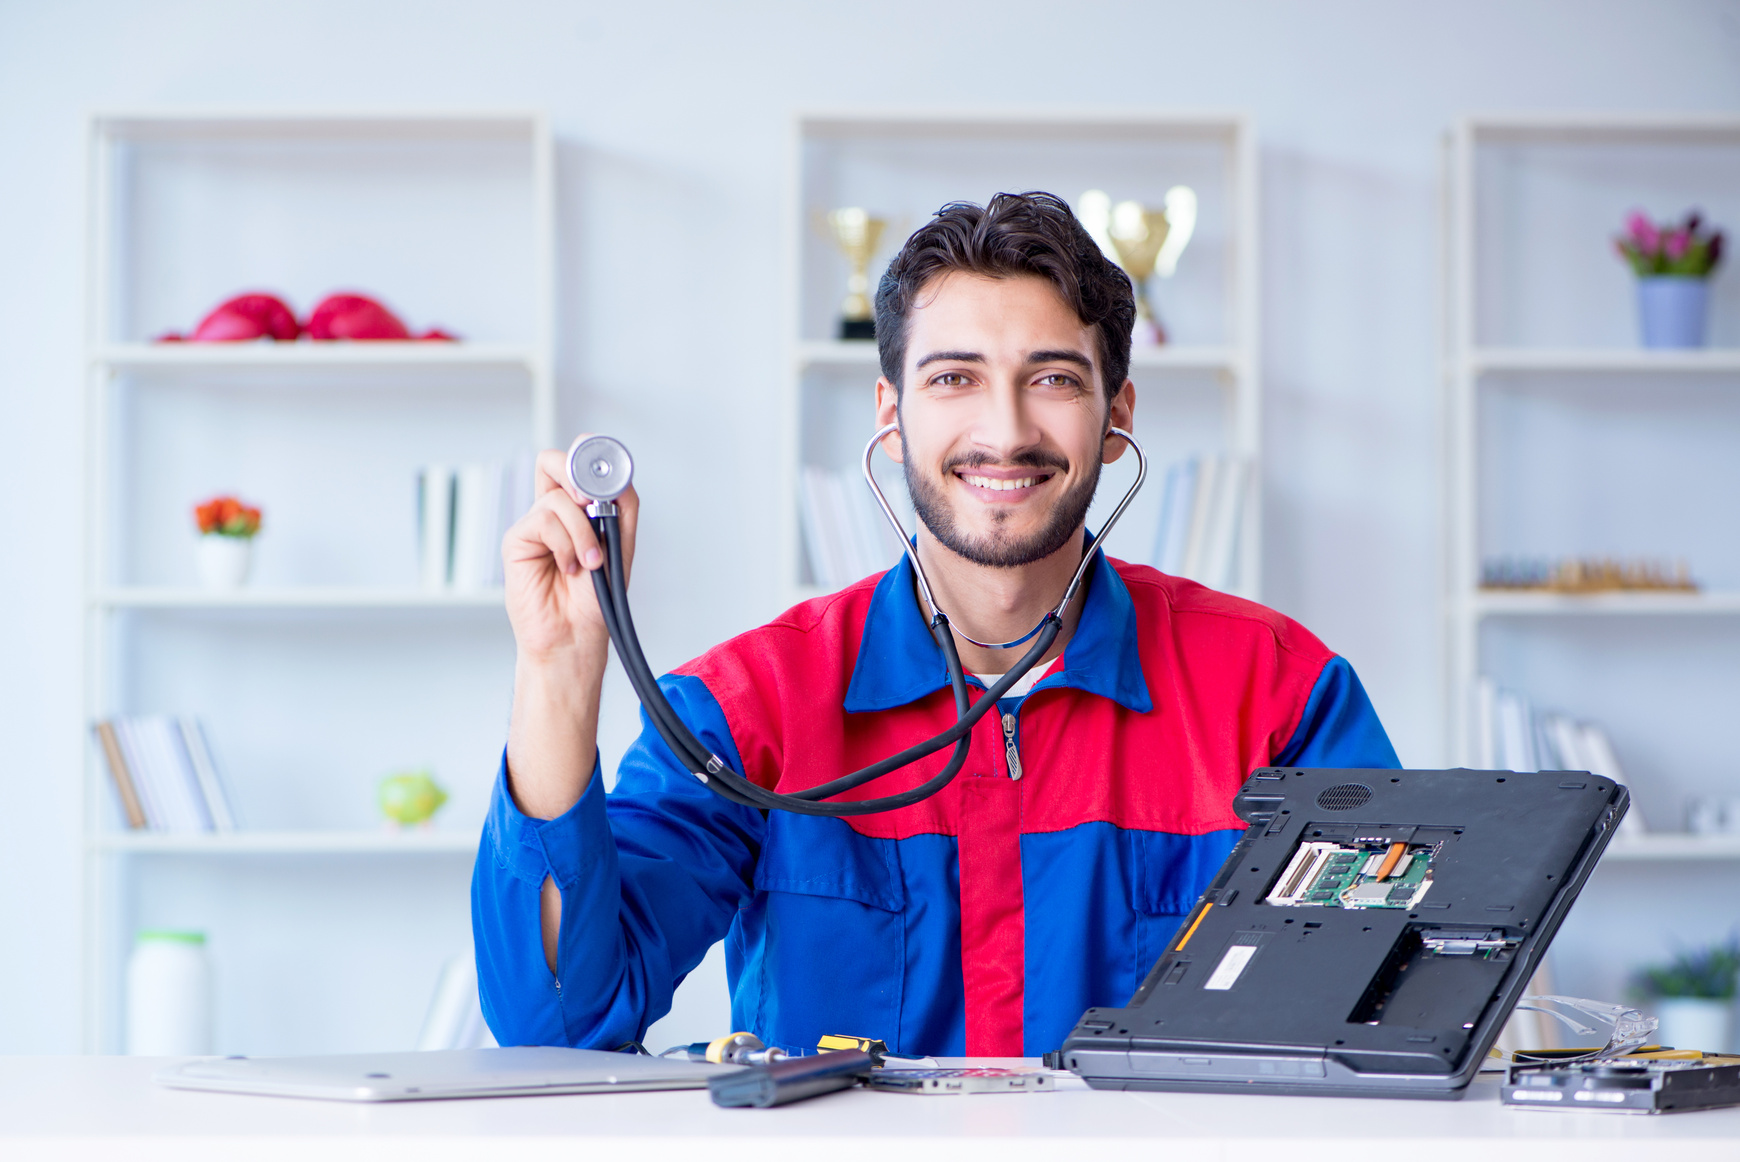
x: 815, y: 636
x: 1179, y: 605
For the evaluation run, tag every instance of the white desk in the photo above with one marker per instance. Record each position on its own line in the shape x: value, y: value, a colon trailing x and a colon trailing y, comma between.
x: 107, y: 1107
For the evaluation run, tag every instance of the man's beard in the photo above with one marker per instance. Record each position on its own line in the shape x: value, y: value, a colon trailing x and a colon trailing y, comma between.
x: 997, y: 551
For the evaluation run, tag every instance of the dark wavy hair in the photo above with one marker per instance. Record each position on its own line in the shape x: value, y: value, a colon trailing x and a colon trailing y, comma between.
x: 1014, y: 234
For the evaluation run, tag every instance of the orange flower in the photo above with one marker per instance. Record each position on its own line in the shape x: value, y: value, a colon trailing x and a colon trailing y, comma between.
x: 227, y: 517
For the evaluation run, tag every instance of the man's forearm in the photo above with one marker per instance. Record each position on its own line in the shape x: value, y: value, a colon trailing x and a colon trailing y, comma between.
x: 553, y: 735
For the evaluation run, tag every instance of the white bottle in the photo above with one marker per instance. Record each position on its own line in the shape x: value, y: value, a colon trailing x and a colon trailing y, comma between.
x: 169, y: 995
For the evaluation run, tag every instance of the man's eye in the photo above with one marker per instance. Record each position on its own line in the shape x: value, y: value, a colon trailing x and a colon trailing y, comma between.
x: 950, y: 379
x: 1058, y: 380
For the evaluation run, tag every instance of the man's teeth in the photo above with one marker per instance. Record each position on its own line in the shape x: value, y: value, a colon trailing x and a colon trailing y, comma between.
x: 996, y: 485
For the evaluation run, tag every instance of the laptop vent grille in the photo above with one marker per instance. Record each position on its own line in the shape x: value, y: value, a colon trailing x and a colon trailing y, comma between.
x: 1344, y: 797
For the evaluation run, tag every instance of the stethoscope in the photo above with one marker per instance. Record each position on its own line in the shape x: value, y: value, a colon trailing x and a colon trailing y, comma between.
x: 601, y: 469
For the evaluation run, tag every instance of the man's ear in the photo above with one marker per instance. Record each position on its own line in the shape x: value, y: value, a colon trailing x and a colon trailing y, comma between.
x: 1122, y: 414
x: 888, y: 412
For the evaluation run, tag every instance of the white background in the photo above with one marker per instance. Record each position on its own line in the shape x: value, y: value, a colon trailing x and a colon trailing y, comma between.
x: 672, y: 123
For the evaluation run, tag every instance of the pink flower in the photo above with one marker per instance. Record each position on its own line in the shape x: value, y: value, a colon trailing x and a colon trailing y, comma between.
x: 1677, y: 241
x: 1643, y: 232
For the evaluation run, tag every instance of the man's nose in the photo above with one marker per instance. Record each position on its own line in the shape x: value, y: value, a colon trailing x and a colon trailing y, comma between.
x: 1004, y: 425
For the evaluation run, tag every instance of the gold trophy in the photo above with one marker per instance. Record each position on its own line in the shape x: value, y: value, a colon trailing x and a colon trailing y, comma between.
x: 856, y: 233
x: 1144, y: 241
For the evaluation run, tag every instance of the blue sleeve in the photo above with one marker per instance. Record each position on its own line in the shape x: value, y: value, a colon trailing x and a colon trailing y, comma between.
x: 651, y: 876
x: 1339, y: 727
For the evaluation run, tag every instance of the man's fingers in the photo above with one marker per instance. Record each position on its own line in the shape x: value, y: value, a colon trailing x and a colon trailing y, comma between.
x: 573, y: 519
x: 543, y: 532
x: 552, y: 473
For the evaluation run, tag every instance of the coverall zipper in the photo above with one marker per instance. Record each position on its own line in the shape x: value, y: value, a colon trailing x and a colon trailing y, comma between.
x: 1009, y: 751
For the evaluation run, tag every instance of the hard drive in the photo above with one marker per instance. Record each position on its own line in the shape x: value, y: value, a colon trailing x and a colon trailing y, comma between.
x: 1367, y: 937
x: 1626, y: 1085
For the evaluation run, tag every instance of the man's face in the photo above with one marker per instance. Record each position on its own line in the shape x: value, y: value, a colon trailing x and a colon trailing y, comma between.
x: 1003, y: 418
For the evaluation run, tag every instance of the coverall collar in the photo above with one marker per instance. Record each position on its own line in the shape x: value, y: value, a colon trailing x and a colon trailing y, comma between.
x: 899, y: 662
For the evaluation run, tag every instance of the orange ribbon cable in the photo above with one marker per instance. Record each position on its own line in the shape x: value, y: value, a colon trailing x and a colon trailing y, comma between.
x: 1390, y: 860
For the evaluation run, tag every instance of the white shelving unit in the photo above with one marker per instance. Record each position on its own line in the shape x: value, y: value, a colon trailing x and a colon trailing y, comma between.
x: 1567, y: 438
x: 1199, y: 394
x: 335, y: 668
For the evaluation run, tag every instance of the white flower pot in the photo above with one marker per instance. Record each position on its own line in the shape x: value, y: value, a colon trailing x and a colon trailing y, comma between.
x: 224, y: 561
x: 1695, y: 1023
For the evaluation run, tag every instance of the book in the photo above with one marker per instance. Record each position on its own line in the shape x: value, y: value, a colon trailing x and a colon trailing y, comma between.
x: 463, y: 512
x: 175, y: 784
x: 211, y: 785
x: 824, y: 541
x: 124, y: 787
x: 133, y: 755
x: 1516, y: 741
x: 1603, y: 761
x: 1176, y: 505
x: 1207, y: 492
x: 518, y: 494
x: 435, y: 525
x: 170, y: 772
x: 476, y: 512
x: 1511, y: 735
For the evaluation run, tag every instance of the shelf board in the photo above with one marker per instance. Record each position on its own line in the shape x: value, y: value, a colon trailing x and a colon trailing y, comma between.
x: 310, y: 597
x: 1704, y: 360
x: 309, y: 356
x: 1671, y: 846
x: 1524, y: 604
x: 192, y: 124
x: 414, y: 842
x: 862, y: 353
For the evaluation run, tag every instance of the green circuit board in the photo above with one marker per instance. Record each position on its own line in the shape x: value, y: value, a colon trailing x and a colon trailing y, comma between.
x: 1355, y: 875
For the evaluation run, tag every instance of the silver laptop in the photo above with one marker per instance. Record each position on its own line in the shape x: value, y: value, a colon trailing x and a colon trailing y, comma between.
x: 444, y: 1073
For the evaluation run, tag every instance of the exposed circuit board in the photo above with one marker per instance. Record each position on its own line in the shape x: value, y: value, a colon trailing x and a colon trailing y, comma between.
x: 1363, y: 873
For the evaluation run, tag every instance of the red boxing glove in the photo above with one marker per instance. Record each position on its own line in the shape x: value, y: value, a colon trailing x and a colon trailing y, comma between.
x: 347, y: 316
x: 244, y: 318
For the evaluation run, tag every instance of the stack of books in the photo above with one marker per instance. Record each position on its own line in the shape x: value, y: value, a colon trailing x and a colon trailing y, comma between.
x: 846, y: 536
x: 164, y: 774
x: 1512, y: 735
x: 462, y: 514
x: 1201, y: 512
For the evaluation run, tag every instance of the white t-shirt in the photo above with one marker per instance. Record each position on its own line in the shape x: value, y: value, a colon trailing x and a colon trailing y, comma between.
x: 1021, y: 688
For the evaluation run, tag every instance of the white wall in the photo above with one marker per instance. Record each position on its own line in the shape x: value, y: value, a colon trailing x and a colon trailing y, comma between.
x: 672, y: 121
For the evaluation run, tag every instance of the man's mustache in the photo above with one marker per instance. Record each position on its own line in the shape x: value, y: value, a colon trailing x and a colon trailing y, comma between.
x: 1031, y: 458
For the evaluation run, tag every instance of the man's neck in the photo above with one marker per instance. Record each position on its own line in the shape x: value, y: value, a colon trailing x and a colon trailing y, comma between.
x: 999, y: 605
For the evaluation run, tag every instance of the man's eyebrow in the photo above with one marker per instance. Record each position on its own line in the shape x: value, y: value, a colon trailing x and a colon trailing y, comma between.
x: 951, y: 357
x: 1061, y: 356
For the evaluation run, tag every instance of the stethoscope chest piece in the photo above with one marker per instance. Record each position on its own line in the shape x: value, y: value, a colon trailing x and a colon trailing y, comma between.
x: 599, y: 467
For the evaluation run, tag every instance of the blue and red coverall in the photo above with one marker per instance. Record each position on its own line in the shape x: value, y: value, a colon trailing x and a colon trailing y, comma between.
x: 979, y: 922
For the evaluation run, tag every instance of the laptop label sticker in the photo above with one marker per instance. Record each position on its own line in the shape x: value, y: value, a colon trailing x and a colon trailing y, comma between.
x: 1231, y: 967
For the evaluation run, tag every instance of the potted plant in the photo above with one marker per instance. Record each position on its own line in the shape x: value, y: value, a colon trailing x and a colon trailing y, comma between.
x: 1694, y: 997
x: 1673, y: 265
x: 227, y: 528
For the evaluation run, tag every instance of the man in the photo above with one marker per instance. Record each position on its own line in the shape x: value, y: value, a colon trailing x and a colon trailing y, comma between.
x: 1091, y: 811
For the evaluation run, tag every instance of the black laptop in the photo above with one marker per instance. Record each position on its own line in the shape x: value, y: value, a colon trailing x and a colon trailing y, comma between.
x: 1368, y: 936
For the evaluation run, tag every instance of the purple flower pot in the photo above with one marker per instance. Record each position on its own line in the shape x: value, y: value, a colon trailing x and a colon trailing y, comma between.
x: 1671, y: 310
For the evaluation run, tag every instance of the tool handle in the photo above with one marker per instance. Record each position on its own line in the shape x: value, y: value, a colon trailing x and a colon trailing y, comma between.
x: 793, y: 1079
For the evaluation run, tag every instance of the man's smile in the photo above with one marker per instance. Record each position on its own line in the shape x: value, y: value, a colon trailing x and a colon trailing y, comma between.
x: 1006, y: 483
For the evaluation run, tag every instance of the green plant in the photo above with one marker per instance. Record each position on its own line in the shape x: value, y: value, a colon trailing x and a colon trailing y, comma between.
x: 1687, y: 250
x: 1707, y: 972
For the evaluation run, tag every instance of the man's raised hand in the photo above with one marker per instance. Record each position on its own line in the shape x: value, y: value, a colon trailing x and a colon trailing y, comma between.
x: 546, y: 558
